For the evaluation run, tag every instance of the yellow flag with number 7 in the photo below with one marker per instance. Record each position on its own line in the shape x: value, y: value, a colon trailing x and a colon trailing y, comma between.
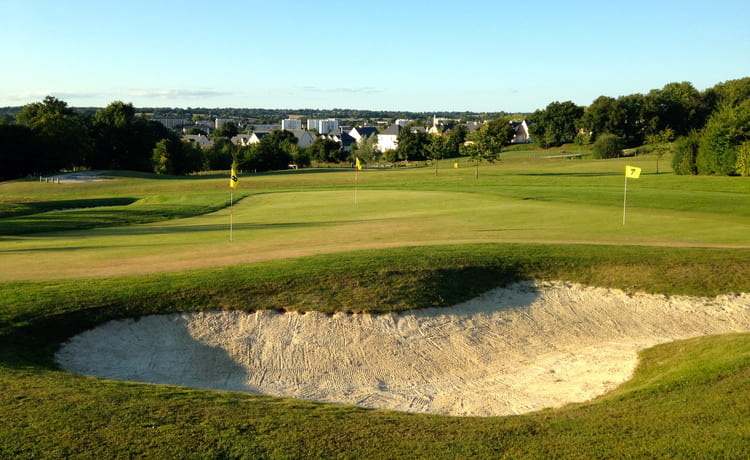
x: 632, y: 172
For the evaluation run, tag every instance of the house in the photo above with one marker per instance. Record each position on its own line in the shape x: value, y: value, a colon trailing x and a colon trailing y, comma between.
x: 522, y: 135
x: 363, y: 131
x: 256, y: 136
x: 198, y: 139
x: 388, y: 138
x: 304, y: 138
x: 241, y: 139
x: 342, y: 137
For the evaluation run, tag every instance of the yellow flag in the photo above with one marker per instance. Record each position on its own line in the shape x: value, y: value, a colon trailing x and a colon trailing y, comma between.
x: 359, y: 165
x: 455, y: 165
x: 632, y: 172
x: 233, y: 179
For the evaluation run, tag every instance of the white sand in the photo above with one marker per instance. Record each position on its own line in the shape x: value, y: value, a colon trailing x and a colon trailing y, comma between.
x: 513, y: 350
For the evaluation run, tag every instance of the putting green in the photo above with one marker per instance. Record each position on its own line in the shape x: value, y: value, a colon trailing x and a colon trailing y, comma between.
x: 278, y: 225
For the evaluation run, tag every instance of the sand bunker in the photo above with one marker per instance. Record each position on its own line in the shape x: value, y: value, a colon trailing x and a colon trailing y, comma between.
x: 513, y: 350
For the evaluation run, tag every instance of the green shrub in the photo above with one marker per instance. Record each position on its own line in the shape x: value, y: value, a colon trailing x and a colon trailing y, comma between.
x: 607, y: 146
x: 685, y: 151
x: 720, y: 142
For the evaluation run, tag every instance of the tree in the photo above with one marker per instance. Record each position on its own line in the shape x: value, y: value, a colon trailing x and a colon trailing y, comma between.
x: 721, y: 139
x: 227, y: 130
x: 62, y: 136
x: 607, y: 146
x: 122, y: 140
x: 436, y: 148
x: 742, y: 167
x: 678, y: 106
x: 366, y: 149
x: 660, y: 144
x: 325, y: 150
x: 220, y: 155
x: 455, y: 139
x: 556, y: 123
x: 18, y: 151
x: 411, y: 144
x: 175, y: 157
x: 273, y: 152
x: 685, y: 152
x: 486, y: 143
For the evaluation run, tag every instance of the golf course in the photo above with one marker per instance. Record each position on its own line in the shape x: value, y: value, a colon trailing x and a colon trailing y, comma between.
x: 536, y: 307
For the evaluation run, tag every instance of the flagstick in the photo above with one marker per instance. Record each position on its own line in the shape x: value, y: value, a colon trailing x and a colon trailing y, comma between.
x: 231, y: 214
x: 356, y: 175
x: 624, y: 200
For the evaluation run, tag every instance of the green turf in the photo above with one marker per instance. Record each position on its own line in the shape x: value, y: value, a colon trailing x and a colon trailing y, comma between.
x: 452, y: 237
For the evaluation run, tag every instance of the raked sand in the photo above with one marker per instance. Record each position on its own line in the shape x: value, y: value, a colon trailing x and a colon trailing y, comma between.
x: 513, y: 350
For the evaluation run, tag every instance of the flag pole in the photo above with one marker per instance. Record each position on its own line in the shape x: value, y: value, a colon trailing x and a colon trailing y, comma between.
x: 356, y: 176
x: 231, y: 214
x: 624, y: 200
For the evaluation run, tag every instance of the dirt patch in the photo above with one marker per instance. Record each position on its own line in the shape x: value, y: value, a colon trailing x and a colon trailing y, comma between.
x: 512, y: 350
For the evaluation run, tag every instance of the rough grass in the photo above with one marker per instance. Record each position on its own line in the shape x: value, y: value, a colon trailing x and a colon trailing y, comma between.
x: 688, y: 399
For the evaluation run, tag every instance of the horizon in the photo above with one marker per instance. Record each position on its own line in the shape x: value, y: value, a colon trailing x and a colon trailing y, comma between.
x: 423, y: 57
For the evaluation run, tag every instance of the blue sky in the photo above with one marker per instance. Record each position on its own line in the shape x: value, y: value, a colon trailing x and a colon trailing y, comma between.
x: 385, y: 55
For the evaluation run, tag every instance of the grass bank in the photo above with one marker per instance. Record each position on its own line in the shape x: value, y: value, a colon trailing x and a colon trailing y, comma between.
x: 687, y: 400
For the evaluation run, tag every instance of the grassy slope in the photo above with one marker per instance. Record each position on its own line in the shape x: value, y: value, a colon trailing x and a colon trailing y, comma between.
x: 688, y: 399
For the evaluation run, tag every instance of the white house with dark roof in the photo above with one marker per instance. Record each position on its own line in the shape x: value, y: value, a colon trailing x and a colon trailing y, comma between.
x: 522, y: 135
x: 388, y: 138
x: 343, y: 138
x: 363, y: 131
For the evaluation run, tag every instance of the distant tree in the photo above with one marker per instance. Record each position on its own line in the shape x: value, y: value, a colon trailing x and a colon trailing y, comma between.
x: 366, y: 149
x: 196, y: 131
x: 62, y: 136
x: 486, y: 143
x: 411, y: 145
x: 556, y: 123
x: 731, y: 93
x: 274, y: 152
x: 678, y: 106
x: 325, y: 150
x: 18, y: 151
x: 227, y: 130
x: 455, y: 139
x: 220, y: 155
x: 124, y: 141
x: 660, y: 144
x: 607, y: 146
x: 175, y: 157
x: 437, y: 148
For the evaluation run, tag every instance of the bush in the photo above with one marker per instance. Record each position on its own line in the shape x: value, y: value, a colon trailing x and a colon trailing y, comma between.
x: 721, y: 139
x: 607, y: 146
x: 685, y: 151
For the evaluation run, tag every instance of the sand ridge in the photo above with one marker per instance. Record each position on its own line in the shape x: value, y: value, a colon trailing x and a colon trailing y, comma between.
x: 513, y: 350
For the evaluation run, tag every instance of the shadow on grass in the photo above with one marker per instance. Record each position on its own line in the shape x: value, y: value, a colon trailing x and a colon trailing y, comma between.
x: 31, y: 336
x: 29, y: 208
x: 179, y: 229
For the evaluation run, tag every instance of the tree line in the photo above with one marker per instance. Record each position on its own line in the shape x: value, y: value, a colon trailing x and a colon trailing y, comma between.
x: 49, y: 136
x: 708, y: 132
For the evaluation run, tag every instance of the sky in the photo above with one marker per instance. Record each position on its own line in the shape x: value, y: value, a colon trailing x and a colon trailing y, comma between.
x: 479, y: 56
